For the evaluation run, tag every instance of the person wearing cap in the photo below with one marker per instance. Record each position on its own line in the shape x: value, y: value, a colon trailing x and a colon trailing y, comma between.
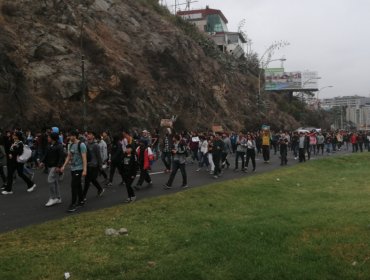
x: 15, y: 151
x: 129, y: 168
x: 145, y: 136
x: 53, y: 160
x: 94, y: 164
x: 77, y: 156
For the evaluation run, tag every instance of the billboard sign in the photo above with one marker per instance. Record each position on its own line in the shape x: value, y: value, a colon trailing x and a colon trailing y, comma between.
x: 309, y: 80
x: 276, y: 79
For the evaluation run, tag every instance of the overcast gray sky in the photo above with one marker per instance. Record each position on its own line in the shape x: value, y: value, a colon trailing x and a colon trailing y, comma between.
x: 329, y: 36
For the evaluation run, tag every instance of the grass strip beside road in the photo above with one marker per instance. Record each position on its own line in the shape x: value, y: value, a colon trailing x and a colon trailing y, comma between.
x: 309, y: 221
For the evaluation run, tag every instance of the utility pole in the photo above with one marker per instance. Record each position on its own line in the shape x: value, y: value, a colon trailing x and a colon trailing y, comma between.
x: 83, y: 79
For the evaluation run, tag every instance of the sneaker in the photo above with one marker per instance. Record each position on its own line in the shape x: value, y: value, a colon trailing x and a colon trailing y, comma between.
x: 6, y: 192
x: 31, y: 189
x: 58, y: 201
x: 3, y: 187
x: 211, y: 172
x: 100, y: 193
x: 198, y: 169
x: 167, y: 187
x: 85, y: 199
x: 72, y: 208
x: 254, y: 170
x: 133, y: 199
x: 216, y: 177
x: 80, y: 204
x: 122, y: 183
x: 184, y: 186
x: 128, y: 200
x: 50, y: 202
x: 109, y: 184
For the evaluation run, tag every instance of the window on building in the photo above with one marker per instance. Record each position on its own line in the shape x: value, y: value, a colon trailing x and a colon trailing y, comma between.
x: 215, y: 24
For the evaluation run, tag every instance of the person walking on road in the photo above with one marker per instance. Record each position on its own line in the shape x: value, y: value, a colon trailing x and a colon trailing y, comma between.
x: 218, y: 147
x: 77, y: 157
x: 241, y: 145
x: 227, y: 149
x: 53, y: 161
x: 2, y: 161
x: 94, y: 164
x: 179, y: 161
x: 145, y: 156
x: 166, y: 152
x: 14, y: 164
x: 129, y: 171
x: 251, y: 152
x: 266, y: 142
x: 116, y: 154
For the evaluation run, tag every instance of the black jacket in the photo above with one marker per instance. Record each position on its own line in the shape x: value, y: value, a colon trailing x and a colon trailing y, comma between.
x: 54, y: 156
x: 129, y: 165
x: 116, y: 153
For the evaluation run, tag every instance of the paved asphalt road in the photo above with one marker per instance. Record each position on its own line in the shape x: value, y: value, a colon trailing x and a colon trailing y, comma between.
x: 23, y: 209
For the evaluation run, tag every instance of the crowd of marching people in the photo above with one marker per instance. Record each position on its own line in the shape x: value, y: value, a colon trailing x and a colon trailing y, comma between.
x: 93, y: 158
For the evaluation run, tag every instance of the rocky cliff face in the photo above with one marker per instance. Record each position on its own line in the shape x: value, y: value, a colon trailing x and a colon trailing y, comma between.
x: 140, y: 67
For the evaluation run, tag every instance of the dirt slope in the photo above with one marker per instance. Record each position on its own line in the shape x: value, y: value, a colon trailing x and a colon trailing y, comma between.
x: 140, y: 67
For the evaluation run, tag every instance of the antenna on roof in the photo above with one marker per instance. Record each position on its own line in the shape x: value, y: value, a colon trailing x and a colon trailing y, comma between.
x: 187, y: 4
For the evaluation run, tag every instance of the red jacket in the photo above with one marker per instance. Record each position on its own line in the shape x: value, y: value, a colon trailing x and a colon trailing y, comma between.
x: 148, y: 157
x: 353, y: 139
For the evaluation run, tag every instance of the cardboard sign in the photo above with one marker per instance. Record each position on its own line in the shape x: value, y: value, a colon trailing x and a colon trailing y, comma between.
x: 217, y: 128
x: 265, y: 127
x: 166, y: 123
x: 195, y: 139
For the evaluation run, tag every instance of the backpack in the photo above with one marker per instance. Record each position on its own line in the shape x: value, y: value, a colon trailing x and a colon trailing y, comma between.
x: 26, y: 155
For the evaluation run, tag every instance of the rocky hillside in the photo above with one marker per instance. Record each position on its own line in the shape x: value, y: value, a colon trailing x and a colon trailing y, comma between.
x: 142, y: 65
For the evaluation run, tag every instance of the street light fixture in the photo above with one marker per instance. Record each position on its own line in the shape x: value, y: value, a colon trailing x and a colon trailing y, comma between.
x: 306, y: 82
x: 322, y: 89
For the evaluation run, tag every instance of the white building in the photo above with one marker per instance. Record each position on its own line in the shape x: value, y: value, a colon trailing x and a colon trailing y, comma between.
x: 354, y: 111
x: 214, y: 23
x: 345, y: 101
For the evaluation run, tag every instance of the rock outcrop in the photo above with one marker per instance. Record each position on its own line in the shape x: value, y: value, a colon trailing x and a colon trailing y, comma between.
x: 140, y: 67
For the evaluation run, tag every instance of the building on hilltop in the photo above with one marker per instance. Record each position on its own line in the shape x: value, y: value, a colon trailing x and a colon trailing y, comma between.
x: 214, y: 23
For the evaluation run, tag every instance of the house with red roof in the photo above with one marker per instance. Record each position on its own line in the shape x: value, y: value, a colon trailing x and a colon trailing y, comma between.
x: 214, y: 23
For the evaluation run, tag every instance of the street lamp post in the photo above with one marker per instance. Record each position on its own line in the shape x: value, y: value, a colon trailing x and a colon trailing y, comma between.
x: 83, y: 78
x: 306, y: 82
x: 321, y: 89
x: 263, y: 67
